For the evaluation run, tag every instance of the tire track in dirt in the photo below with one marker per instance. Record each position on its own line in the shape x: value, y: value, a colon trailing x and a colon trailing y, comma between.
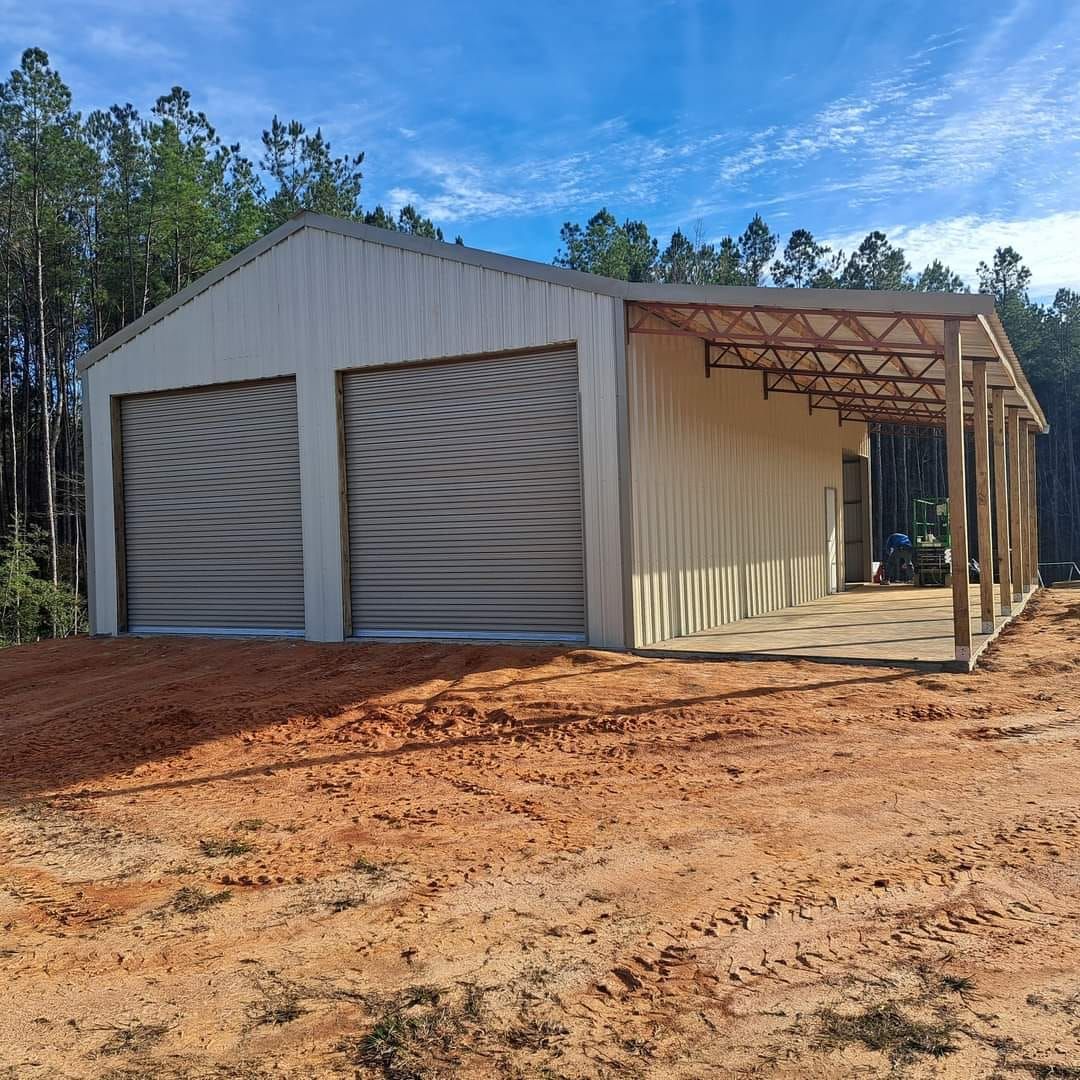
x: 776, y: 940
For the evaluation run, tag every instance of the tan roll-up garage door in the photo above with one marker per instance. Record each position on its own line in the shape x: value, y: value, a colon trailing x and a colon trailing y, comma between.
x: 464, y: 499
x: 211, y: 489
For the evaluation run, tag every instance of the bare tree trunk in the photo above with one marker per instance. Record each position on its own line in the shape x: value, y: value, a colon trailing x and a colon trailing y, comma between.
x: 11, y: 401
x: 146, y: 259
x: 43, y: 362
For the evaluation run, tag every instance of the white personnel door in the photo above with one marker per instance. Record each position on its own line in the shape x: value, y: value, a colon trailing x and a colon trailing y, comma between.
x: 832, y: 546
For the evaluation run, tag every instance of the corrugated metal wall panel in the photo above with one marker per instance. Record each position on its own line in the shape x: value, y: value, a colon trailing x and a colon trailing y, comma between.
x: 319, y: 303
x: 727, y: 492
x: 464, y: 499
x: 212, y: 509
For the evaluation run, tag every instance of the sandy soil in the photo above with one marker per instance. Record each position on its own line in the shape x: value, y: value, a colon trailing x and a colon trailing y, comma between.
x: 238, y: 859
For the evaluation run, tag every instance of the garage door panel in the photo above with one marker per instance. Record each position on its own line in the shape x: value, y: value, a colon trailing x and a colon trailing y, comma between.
x: 496, y: 445
x: 212, y: 526
x: 464, y: 499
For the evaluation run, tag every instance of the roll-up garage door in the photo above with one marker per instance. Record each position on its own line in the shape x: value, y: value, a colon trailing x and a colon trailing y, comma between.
x: 212, y: 510
x: 464, y: 492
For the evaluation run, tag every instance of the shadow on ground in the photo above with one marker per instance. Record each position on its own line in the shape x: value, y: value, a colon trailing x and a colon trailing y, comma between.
x: 82, y: 711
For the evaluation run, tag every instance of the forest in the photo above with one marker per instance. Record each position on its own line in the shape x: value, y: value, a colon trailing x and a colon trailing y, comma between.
x: 104, y: 215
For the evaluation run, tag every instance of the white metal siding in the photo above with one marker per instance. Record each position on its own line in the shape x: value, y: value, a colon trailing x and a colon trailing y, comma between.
x: 464, y: 499
x: 319, y: 303
x: 728, y: 492
x: 212, y: 510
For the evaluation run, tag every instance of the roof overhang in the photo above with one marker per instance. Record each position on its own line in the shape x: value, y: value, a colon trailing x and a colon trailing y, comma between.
x: 871, y: 356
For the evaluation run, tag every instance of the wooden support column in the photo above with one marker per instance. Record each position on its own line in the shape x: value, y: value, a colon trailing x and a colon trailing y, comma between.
x: 1033, y: 508
x: 1016, y: 532
x: 954, y: 448
x: 1001, y: 504
x: 981, y: 420
x: 1025, y: 505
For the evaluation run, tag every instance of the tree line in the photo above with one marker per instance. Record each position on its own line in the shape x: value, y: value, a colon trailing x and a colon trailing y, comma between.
x: 908, y: 463
x: 102, y: 217
x: 105, y: 215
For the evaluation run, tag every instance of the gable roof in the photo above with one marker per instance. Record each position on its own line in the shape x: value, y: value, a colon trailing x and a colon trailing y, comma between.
x: 993, y: 341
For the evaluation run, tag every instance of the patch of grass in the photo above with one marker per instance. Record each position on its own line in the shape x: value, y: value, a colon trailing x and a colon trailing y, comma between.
x: 388, y: 1047
x: 534, y: 1033
x: 885, y: 1028
x: 1068, y: 1005
x: 472, y: 1003
x: 230, y: 847
x: 344, y: 903
x: 419, y: 995
x: 190, y: 900
x: 179, y: 868
x: 134, y: 1038
x: 1043, y: 1070
x: 639, y: 1047
x: 278, y: 1011
x: 371, y: 870
x: 415, y: 1036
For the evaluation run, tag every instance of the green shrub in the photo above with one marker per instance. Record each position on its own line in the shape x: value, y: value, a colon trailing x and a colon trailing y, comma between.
x: 31, y: 606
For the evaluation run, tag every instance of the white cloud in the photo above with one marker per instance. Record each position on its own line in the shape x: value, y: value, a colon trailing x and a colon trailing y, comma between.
x: 120, y: 43
x: 967, y: 121
x: 1048, y: 244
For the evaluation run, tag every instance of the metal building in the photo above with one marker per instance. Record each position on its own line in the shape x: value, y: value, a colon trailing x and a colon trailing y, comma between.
x: 345, y: 432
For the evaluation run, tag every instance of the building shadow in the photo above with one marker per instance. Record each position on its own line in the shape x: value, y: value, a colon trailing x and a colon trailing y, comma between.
x: 78, y: 712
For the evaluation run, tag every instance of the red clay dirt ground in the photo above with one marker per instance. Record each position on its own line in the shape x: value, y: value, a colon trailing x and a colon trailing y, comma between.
x: 245, y: 859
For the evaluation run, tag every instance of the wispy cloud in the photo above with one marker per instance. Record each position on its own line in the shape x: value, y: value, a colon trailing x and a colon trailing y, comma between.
x: 118, y: 42
x: 1049, y: 245
x: 488, y: 121
x: 964, y: 123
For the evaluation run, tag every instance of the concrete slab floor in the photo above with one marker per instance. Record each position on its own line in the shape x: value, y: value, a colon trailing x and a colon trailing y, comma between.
x: 876, y: 624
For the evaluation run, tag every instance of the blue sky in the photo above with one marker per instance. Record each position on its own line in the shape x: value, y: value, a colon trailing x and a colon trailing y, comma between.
x: 954, y: 126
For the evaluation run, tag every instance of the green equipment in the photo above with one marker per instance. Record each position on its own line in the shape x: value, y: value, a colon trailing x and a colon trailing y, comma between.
x: 932, y: 538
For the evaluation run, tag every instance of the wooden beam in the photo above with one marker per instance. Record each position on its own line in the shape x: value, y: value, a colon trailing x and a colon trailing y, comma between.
x: 865, y: 482
x: 1025, y: 505
x: 954, y: 436
x: 1001, y: 504
x: 982, y: 497
x: 1033, y: 508
x: 1016, y: 531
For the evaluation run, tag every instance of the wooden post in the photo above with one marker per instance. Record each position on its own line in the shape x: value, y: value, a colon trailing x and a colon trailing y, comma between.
x: 1016, y: 532
x: 1001, y: 505
x: 1033, y: 509
x: 954, y: 448
x: 1025, y: 505
x: 982, y: 495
